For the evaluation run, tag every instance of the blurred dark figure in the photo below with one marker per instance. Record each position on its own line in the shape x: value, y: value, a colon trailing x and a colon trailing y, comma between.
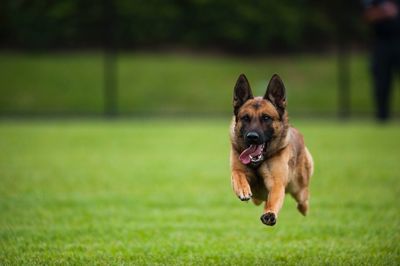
x: 383, y: 16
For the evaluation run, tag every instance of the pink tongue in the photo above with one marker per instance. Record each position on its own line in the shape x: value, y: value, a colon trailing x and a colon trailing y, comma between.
x: 253, y: 150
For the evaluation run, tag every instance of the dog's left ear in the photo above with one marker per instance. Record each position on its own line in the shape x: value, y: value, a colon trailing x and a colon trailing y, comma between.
x: 276, y: 93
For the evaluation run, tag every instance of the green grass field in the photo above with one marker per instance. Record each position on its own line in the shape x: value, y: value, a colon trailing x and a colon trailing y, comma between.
x: 175, y: 83
x: 158, y: 192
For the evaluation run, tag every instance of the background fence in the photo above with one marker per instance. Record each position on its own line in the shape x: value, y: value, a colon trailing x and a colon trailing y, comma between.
x: 75, y: 57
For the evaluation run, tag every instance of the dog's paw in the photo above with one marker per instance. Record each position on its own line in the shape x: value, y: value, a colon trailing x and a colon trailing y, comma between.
x: 241, y: 187
x: 243, y: 192
x: 245, y: 197
x: 268, y: 218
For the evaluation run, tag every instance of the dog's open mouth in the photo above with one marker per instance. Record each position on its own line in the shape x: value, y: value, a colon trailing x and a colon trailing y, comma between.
x: 252, y: 154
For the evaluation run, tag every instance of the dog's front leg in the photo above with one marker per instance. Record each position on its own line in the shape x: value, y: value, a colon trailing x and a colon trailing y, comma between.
x: 275, y: 178
x: 273, y: 204
x: 240, y: 185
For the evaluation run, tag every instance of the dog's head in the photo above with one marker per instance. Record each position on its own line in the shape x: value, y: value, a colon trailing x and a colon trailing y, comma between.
x: 259, y: 120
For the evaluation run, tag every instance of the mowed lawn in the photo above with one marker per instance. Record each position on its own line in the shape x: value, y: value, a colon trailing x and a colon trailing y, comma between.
x: 150, y: 192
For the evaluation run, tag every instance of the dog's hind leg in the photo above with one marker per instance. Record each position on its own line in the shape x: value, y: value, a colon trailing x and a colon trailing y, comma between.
x: 302, y: 197
x: 302, y: 194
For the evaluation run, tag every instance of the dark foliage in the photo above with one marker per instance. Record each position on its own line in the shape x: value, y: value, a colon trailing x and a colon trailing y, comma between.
x: 240, y: 26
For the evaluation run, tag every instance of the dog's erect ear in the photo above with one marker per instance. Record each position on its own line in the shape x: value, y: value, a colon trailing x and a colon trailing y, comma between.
x: 276, y: 93
x: 241, y: 94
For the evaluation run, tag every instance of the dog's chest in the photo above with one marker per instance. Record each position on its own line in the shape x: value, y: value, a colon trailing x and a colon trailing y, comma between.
x: 257, y: 186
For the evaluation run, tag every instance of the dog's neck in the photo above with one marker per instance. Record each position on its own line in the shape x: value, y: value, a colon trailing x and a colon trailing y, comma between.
x: 278, y: 144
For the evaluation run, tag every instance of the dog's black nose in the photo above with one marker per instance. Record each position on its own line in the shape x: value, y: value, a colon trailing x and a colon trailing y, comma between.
x: 252, y: 137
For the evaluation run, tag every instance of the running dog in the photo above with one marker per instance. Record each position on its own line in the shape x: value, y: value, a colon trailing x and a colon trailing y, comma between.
x: 268, y: 157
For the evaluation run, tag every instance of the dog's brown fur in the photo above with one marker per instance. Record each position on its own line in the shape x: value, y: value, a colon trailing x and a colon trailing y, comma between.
x: 287, y: 165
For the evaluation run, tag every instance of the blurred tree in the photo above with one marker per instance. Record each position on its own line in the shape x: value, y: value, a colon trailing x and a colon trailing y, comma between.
x: 240, y: 26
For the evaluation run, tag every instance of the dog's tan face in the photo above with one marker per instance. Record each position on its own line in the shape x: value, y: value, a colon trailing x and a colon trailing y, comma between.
x: 259, y: 120
x: 257, y: 116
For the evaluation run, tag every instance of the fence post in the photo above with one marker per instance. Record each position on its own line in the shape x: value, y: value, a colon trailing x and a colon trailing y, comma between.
x: 110, y: 60
x: 343, y: 81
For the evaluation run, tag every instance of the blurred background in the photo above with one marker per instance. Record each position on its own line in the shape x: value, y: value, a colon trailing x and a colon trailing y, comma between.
x: 71, y: 57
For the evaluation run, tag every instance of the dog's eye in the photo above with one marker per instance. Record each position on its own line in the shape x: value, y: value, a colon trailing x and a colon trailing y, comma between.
x: 266, y: 118
x: 246, y: 118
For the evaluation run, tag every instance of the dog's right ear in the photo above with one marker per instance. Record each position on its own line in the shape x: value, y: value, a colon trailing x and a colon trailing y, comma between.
x: 241, y: 94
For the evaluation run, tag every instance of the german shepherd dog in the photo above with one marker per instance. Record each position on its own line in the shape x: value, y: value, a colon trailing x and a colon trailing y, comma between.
x: 268, y: 156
